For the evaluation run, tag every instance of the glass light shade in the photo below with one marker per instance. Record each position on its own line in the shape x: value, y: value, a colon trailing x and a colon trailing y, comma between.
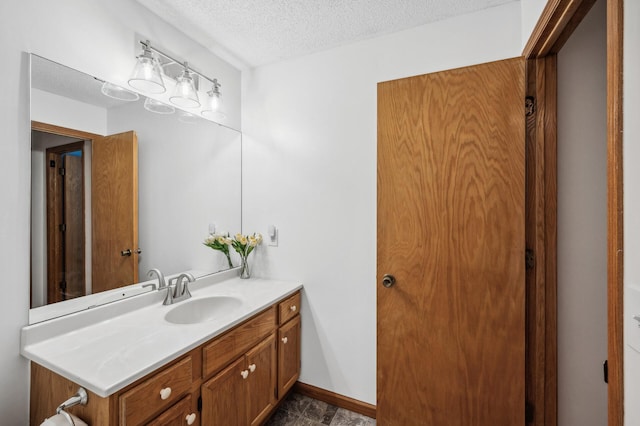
x: 185, y: 95
x: 116, y: 92
x: 213, y: 105
x: 147, y: 75
x: 158, y: 107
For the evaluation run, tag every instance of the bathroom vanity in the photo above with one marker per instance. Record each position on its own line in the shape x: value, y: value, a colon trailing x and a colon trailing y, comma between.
x: 172, y: 365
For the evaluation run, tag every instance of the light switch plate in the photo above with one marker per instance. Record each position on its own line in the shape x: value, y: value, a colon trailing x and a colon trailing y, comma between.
x: 272, y: 236
x: 212, y: 228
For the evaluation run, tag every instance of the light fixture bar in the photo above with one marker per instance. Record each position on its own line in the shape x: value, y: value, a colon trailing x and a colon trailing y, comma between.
x: 147, y: 44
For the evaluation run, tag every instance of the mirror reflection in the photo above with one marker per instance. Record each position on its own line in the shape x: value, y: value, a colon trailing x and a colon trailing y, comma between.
x: 119, y: 188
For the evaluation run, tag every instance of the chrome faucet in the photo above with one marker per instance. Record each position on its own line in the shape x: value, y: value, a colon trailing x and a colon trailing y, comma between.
x: 178, y: 289
x: 162, y: 283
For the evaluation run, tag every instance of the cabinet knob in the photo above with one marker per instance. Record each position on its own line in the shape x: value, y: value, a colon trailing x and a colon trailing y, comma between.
x: 191, y: 418
x: 244, y: 374
x: 252, y: 367
x: 165, y: 393
x: 293, y: 308
x: 285, y: 340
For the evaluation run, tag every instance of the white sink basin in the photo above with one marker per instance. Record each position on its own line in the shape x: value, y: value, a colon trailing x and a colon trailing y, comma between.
x: 201, y: 310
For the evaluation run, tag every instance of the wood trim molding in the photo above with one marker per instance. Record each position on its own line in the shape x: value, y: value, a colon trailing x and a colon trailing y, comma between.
x: 62, y: 131
x: 541, y: 238
x: 556, y: 24
x: 615, y: 236
x: 338, y: 400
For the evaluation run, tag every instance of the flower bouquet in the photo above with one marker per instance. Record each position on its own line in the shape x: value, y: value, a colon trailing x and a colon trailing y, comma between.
x: 244, y: 245
x: 220, y: 243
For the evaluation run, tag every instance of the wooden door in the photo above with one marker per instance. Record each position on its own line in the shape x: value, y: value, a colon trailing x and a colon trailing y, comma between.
x: 451, y: 331
x: 288, y: 355
x: 262, y: 382
x: 74, y: 225
x: 65, y: 222
x: 114, y: 211
x: 224, y: 397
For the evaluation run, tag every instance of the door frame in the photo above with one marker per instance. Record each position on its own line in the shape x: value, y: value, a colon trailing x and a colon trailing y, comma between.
x: 556, y: 24
x: 72, y: 133
x: 54, y: 208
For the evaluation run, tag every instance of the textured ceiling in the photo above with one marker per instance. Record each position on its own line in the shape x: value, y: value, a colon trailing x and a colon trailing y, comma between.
x: 257, y: 32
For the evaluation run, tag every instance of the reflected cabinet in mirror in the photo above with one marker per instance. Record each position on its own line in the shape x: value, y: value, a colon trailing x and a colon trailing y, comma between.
x: 119, y: 187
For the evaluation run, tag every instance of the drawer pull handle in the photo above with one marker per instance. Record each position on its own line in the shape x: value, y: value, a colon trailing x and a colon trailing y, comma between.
x: 244, y: 374
x: 252, y: 368
x: 165, y: 393
x: 285, y: 340
x: 293, y: 308
x: 191, y: 418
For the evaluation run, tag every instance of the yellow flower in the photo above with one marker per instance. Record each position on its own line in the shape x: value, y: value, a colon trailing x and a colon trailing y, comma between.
x: 253, y: 241
x: 239, y: 237
x: 242, y: 240
x: 222, y: 240
x: 258, y: 237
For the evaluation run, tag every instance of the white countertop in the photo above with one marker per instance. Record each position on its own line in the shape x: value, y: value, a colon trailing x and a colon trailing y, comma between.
x: 107, y: 348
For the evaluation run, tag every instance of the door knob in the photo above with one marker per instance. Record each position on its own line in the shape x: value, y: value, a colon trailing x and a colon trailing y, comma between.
x: 388, y: 280
x: 129, y: 252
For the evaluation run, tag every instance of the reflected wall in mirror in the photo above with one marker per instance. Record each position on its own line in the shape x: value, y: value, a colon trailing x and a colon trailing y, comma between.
x: 118, y: 189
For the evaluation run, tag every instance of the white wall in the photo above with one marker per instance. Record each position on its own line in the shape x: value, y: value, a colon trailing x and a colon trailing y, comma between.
x: 582, y: 223
x: 309, y: 135
x: 631, y: 150
x: 94, y: 37
x: 530, y: 13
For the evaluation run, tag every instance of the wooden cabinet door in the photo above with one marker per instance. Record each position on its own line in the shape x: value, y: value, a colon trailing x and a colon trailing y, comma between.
x: 224, y: 397
x: 261, y: 363
x: 451, y: 331
x: 288, y: 355
x: 114, y: 211
x: 178, y: 415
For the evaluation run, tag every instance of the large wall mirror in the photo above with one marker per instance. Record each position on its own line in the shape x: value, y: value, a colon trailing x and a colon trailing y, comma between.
x: 119, y: 187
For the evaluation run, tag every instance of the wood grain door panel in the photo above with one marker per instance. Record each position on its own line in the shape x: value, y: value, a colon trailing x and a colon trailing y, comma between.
x: 262, y: 381
x: 114, y: 210
x: 74, y: 223
x: 451, y: 231
x: 224, y: 396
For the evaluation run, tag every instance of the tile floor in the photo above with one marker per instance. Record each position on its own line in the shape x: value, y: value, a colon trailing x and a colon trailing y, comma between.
x: 300, y: 410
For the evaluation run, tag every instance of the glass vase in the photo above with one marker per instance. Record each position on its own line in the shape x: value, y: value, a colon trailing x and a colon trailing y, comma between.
x: 244, y: 268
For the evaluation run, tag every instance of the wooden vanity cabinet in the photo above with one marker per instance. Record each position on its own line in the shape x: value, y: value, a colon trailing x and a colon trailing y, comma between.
x: 235, y: 379
x: 288, y: 343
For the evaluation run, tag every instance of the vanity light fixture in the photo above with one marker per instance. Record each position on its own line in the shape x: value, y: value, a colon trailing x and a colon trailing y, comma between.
x: 213, y: 104
x: 185, y: 95
x: 147, y: 73
x: 117, y: 92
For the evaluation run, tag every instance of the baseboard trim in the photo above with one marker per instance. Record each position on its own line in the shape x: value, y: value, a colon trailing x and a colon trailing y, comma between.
x: 333, y: 398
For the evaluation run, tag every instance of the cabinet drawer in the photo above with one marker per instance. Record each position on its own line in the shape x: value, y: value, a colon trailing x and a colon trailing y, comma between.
x: 289, y: 308
x: 181, y: 414
x: 146, y: 399
x: 236, y: 342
